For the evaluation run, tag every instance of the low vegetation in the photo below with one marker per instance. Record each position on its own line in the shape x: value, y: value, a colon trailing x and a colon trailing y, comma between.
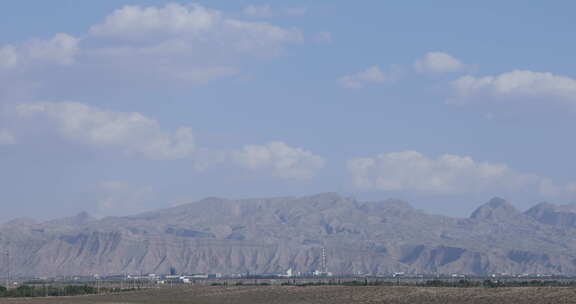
x: 30, y: 291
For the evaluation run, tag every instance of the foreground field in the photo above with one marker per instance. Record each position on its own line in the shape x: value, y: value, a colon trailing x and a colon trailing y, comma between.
x: 322, y: 294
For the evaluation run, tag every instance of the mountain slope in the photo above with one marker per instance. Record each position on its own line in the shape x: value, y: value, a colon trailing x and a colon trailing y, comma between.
x: 267, y: 235
x: 561, y: 216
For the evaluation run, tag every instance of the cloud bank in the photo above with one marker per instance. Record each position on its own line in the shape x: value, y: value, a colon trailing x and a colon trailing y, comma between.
x: 447, y: 174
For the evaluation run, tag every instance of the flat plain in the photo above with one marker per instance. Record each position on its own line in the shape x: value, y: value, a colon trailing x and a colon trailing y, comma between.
x: 320, y: 295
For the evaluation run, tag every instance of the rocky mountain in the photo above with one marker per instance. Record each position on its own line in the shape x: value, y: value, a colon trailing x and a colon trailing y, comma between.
x: 561, y: 216
x: 496, y: 209
x: 270, y: 235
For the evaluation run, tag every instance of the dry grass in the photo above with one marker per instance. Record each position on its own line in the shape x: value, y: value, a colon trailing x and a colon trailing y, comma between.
x: 323, y: 294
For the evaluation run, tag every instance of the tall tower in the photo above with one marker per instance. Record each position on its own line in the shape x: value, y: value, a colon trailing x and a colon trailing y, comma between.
x: 324, y: 270
x: 7, y: 253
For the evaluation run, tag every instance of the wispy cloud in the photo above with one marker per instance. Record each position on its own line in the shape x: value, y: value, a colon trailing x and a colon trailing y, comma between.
x: 438, y: 63
x: 516, y: 87
x: 371, y: 75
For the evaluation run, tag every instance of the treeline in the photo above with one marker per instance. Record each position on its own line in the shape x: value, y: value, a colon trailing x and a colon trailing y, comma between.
x: 463, y: 283
x: 52, y: 291
x: 499, y: 283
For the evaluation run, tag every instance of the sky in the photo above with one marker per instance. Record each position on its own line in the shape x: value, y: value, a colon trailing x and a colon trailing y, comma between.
x: 119, y: 107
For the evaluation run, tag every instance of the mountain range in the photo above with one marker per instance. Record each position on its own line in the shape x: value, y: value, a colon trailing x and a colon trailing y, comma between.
x: 271, y: 235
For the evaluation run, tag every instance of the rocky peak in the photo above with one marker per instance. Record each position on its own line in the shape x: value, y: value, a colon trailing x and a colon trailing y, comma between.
x: 495, y: 209
x: 546, y: 213
x: 539, y: 209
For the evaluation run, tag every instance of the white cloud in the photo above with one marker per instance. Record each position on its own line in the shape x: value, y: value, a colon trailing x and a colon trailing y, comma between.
x: 372, y: 75
x: 131, y: 22
x: 447, y: 174
x: 193, y: 25
x: 282, y: 160
x: 174, y: 45
x: 180, y: 45
x: 60, y: 49
x: 518, y: 85
x: 131, y: 133
x: 266, y: 11
x: 119, y: 196
x: 437, y: 63
x: 134, y: 134
x: 6, y: 137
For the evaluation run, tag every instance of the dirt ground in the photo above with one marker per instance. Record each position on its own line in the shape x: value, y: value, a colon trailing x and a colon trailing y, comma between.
x: 322, y: 294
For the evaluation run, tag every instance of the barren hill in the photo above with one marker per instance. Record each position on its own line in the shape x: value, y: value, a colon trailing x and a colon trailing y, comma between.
x: 268, y: 235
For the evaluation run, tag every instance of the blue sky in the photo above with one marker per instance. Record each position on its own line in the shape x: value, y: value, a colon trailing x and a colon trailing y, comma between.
x: 116, y: 107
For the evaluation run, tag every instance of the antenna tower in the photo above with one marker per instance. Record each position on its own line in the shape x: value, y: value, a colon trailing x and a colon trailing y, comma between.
x: 7, y: 253
x: 324, y: 270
